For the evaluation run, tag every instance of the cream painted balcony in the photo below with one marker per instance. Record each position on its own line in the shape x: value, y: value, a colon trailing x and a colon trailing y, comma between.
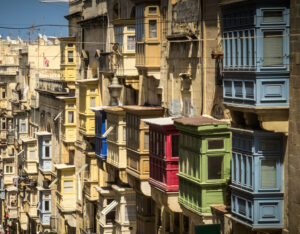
x: 66, y: 187
x: 11, y: 202
x: 30, y: 162
x: 8, y: 178
x: 91, y: 177
x: 9, y: 70
x: 87, y: 124
x: 107, y: 208
x: 116, y: 139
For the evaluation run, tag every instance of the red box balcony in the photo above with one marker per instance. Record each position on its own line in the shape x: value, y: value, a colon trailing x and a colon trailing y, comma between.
x: 163, y: 146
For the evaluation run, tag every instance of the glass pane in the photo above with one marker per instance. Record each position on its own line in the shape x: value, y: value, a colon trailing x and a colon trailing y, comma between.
x: 68, y: 186
x: 70, y: 116
x: 270, y: 16
x: 273, y: 49
x: 47, y: 151
x: 92, y: 102
x: 23, y: 127
x: 215, y: 167
x: 215, y: 144
x: 70, y: 57
x: 130, y: 213
x: 175, y: 145
x: 131, y: 43
x: 32, y: 155
x: 242, y: 206
x: 152, y: 10
x: 47, y: 206
x: 152, y: 28
x: 268, y: 173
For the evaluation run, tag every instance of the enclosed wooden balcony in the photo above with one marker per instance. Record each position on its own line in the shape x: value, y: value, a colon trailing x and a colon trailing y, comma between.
x: 137, y: 133
x: 164, y: 154
x: 116, y: 140
x: 91, y: 177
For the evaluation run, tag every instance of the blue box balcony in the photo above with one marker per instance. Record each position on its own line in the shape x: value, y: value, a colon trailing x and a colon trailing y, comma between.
x: 256, y: 54
x: 256, y: 90
x: 257, y: 181
x: 44, y: 206
x: 100, y: 128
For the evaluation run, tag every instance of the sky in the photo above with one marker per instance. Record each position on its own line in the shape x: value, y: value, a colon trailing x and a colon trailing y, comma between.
x: 25, y: 13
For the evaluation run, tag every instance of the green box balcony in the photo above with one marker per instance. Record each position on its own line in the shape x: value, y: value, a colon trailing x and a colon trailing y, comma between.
x: 204, y: 162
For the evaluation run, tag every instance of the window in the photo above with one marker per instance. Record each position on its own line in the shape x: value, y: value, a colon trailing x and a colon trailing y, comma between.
x: 68, y: 186
x: 23, y: 127
x: 70, y: 56
x: 186, y: 224
x: 92, y: 102
x: 268, y: 174
x: 124, y: 133
x: 175, y: 145
x: 47, y: 151
x: 271, y: 16
x: 92, y: 90
x: 152, y: 10
x: 70, y: 45
x: 70, y: 105
x: 3, y: 124
x: 3, y: 94
x: 215, y: 144
x: 31, y: 155
x: 130, y: 42
x: 215, y: 167
x: 47, y: 205
x: 152, y: 28
x: 70, y: 116
x: 273, y: 49
x: 8, y: 169
x: 130, y: 29
x: 242, y: 206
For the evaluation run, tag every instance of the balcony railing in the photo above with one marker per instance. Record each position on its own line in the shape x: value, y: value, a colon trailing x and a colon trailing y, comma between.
x: 53, y: 86
x: 9, y: 70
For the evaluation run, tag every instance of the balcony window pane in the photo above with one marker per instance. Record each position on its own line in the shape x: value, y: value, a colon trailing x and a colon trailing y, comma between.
x: 131, y: 43
x: 273, y: 49
x: 70, y: 56
x: 152, y: 10
x: 249, y: 86
x: 70, y: 116
x: 238, y: 88
x: 32, y: 155
x: 92, y: 102
x: 47, y: 151
x: 268, y: 174
x: 124, y: 133
x: 47, y: 206
x: 152, y: 28
x: 271, y: 16
x: 23, y: 127
x: 242, y: 206
x: 68, y: 186
x: 175, y: 145
x: 215, y: 144
x: 228, y: 88
x: 215, y: 167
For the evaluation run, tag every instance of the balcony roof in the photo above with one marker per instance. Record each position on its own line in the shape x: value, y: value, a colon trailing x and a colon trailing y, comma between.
x: 43, y: 133
x: 12, y: 189
x: 199, y: 121
x: 160, y: 121
x: 97, y: 108
x: 87, y: 80
x: 140, y: 109
x: 28, y: 140
x: 63, y: 166
x: 64, y: 97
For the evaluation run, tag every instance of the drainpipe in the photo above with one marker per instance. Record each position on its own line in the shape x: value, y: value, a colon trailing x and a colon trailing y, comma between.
x: 203, y: 48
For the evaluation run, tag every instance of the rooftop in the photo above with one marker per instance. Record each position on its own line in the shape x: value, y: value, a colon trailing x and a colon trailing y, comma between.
x: 159, y: 121
x: 199, y: 121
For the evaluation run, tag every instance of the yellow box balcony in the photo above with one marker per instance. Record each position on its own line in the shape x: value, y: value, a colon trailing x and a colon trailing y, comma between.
x: 31, y: 167
x: 87, y: 124
x: 66, y: 202
x: 69, y: 132
x: 68, y: 72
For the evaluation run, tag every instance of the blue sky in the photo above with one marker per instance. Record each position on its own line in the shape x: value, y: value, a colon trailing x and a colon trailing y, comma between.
x: 24, y: 13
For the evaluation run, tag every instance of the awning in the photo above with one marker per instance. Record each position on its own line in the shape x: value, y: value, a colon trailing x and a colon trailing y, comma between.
x: 110, y: 207
x: 63, y: 166
x: 71, y: 220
